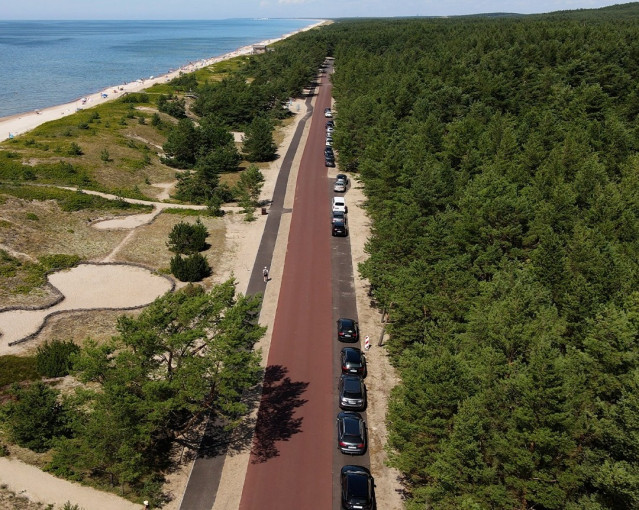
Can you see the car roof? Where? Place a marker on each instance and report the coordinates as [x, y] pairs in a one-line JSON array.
[[352, 425], [352, 383]]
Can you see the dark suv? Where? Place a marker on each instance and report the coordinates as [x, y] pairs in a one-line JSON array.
[[338, 229], [353, 361], [358, 488], [351, 433], [347, 330]]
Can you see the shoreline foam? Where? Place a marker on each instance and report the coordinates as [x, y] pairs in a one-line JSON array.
[[21, 123]]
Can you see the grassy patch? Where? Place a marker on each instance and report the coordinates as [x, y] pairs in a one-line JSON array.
[[185, 212], [29, 275], [74, 200], [17, 369]]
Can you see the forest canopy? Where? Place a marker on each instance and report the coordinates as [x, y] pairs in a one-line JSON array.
[[499, 159]]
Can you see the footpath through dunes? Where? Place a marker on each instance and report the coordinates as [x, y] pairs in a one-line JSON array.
[[291, 459]]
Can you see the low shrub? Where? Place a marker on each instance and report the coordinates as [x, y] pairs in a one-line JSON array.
[[192, 268], [55, 359], [187, 238]]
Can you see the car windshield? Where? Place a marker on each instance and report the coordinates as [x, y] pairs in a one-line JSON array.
[[346, 325], [352, 388]]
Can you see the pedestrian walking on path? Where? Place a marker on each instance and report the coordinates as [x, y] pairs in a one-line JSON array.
[[265, 273]]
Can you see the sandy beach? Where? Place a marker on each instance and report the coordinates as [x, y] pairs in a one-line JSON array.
[[21, 123]]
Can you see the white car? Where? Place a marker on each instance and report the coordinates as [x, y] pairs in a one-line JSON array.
[[328, 113], [339, 204]]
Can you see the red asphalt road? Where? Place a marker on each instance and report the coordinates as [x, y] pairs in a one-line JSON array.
[[291, 461]]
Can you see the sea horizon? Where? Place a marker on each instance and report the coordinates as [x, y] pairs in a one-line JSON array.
[[47, 63]]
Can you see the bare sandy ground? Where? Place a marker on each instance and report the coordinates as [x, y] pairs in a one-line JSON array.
[[243, 240], [85, 287]]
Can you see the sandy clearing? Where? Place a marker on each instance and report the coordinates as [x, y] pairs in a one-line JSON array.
[[85, 287]]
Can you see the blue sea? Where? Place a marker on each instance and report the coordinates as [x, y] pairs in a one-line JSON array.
[[46, 63]]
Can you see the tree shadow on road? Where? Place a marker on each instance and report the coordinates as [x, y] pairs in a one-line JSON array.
[[275, 420]]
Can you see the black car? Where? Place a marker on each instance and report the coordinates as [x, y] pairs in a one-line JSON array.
[[328, 151], [352, 392], [330, 123], [347, 330], [329, 161], [339, 228], [358, 488], [342, 177], [351, 433], [353, 361]]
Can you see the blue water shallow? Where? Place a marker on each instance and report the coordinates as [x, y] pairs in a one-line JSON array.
[[45, 63]]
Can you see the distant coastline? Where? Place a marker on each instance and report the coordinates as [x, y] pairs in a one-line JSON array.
[[46, 63], [17, 124]]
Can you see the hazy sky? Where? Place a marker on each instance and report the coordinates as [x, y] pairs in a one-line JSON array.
[[216, 9]]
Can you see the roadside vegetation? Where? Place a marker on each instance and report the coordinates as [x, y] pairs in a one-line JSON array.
[[145, 393], [113, 412], [499, 158]]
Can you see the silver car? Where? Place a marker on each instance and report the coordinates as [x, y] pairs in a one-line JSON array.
[[352, 392], [339, 186]]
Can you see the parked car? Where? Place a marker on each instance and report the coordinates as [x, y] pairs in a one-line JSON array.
[[339, 204], [328, 112], [358, 488], [347, 330], [342, 177], [329, 143], [329, 161], [353, 361], [329, 138], [339, 216], [330, 123], [352, 392], [329, 130], [338, 228], [351, 433], [328, 151], [339, 186]]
